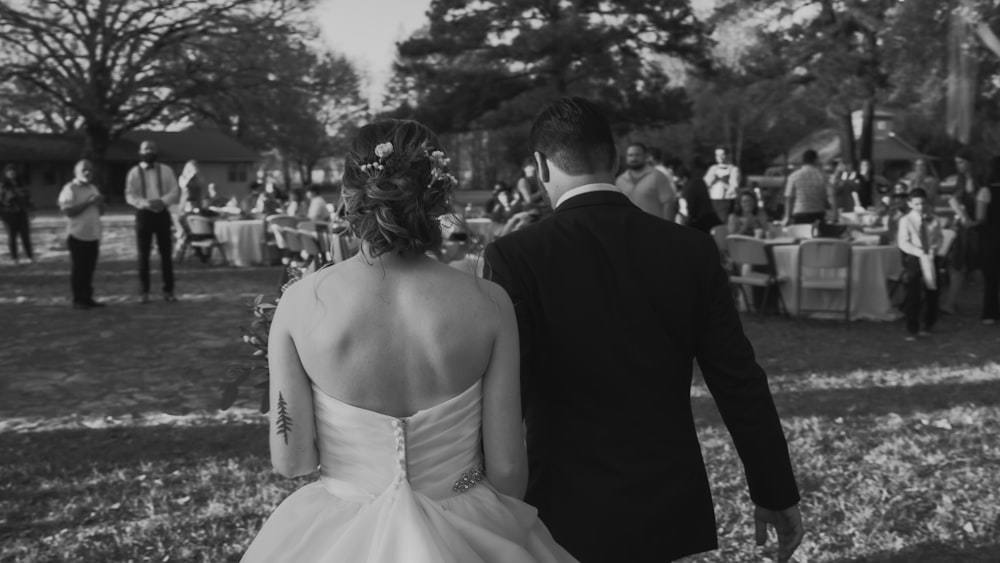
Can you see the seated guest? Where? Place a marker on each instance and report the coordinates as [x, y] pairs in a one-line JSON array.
[[317, 209], [503, 204], [269, 202], [748, 216], [455, 246], [297, 204], [249, 203], [695, 205], [919, 237]]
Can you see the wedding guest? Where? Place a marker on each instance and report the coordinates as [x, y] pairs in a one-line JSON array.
[[897, 209], [151, 187], [919, 177], [192, 189], [695, 207], [83, 204], [535, 205], [297, 204], [964, 255], [269, 202], [808, 194], [919, 238], [503, 203], [455, 246], [317, 204], [845, 187], [249, 202], [748, 216], [988, 210], [15, 212], [215, 204], [645, 186], [723, 180]]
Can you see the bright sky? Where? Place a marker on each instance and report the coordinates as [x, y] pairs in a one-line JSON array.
[[366, 31]]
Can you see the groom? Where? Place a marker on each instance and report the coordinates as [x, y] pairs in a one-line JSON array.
[[613, 307]]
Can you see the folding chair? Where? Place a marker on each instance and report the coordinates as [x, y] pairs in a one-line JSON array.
[[202, 236], [310, 243], [274, 228], [818, 259], [325, 239], [747, 253]]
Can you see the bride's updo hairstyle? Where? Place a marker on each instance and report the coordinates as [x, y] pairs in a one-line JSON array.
[[396, 187]]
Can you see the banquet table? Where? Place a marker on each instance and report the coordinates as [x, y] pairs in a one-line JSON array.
[[242, 240], [871, 267]]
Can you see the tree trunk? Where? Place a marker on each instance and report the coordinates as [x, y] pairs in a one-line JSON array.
[[96, 141], [866, 151], [848, 149]]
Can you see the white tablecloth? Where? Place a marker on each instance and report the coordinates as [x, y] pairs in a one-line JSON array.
[[871, 266], [242, 241]]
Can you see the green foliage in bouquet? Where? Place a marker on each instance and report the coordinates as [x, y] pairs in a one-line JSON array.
[[256, 336]]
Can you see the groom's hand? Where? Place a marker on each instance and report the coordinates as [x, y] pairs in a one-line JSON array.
[[787, 523]]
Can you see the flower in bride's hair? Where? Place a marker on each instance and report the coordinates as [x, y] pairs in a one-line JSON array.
[[438, 159], [383, 150]]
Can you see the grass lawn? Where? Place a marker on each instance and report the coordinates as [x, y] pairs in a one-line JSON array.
[[896, 445]]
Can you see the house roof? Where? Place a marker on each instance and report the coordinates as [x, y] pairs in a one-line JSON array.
[[202, 144], [195, 143], [826, 142]]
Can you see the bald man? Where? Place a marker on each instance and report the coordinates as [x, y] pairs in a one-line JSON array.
[[151, 187]]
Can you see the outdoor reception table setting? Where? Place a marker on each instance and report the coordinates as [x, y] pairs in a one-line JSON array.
[[242, 239], [872, 265]]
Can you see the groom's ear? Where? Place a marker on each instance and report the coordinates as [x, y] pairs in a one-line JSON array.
[[543, 166]]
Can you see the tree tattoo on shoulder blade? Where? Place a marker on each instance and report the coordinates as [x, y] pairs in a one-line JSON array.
[[284, 422]]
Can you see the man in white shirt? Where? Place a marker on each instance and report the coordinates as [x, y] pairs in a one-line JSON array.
[[645, 186], [151, 187], [723, 181], [318, 210], [83, 204]]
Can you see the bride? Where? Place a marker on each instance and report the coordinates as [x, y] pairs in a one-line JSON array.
[[397, 377]]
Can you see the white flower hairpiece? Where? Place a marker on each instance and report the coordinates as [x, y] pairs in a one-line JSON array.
[[439, 169], [382, 152]]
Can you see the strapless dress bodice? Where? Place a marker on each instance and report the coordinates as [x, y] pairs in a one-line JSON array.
[[362, 453]]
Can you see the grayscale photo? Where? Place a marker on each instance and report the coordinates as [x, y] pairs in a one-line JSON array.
[[500, 281]]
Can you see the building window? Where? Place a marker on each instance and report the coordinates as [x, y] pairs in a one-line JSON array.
[[238, 172]]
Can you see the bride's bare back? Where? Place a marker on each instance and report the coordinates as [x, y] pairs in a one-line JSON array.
[[395, 335]]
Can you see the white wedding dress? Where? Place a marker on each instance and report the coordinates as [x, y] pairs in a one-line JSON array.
[[402, 490]]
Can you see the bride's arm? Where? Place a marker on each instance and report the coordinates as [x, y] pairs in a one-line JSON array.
[[292, 429], [503, 432]]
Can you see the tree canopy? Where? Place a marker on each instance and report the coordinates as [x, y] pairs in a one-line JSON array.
[[490, 63], [120, 64]]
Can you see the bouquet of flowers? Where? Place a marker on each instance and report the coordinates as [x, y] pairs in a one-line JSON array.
[[256, 337]]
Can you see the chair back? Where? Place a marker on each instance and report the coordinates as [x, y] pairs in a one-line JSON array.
[[719, 233], [199, 225], [281, 220], [325, 239], [824, 253], [292, 238], [308, 238], [804, 231], [744, 250]]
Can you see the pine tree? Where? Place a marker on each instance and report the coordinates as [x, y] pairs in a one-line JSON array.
[[284, 421]]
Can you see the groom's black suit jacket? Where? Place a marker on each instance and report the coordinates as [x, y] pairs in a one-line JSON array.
[[613, 307]]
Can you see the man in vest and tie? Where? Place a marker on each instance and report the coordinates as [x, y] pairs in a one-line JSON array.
[[151, 188]]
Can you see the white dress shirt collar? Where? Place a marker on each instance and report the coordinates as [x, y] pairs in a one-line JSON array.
[[586, 189]]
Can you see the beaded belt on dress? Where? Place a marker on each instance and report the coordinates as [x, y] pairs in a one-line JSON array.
[[469, 479]]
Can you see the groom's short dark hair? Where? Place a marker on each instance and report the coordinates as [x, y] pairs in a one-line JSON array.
[[574, 134]]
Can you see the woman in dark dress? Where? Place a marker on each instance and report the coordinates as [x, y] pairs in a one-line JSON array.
[[988, 210], [696, 209], [964, 256], [15, 209]]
